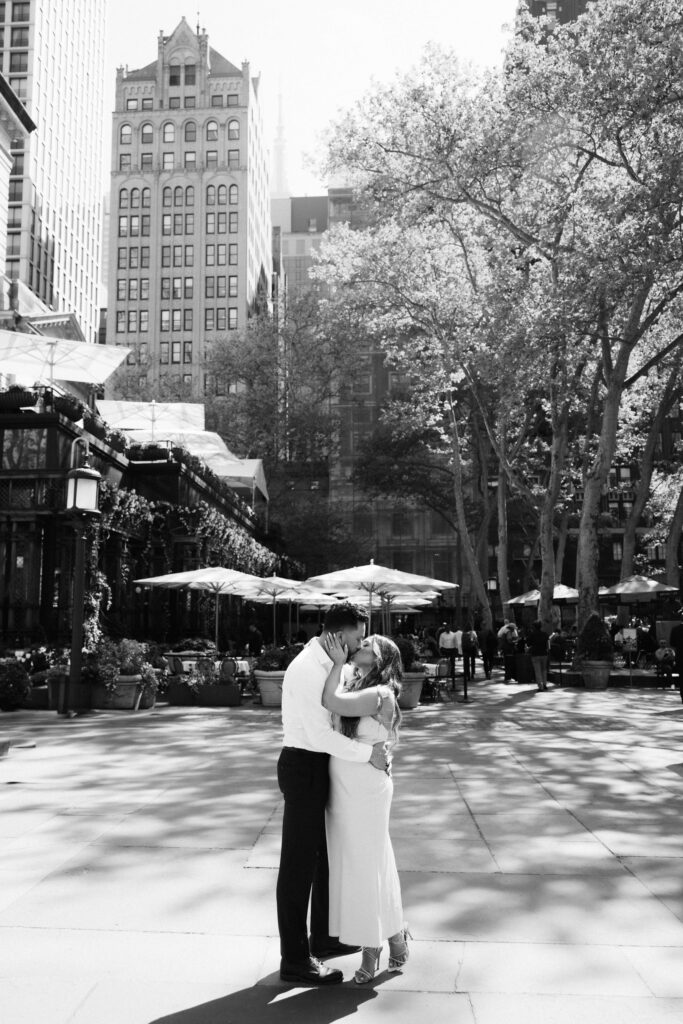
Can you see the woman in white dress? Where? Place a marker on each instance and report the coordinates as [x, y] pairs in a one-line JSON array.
[[365, 893]]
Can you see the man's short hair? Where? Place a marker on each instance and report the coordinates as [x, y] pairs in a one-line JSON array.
[[345, 615]]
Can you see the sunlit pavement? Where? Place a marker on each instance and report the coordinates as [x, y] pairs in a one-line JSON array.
[[538, 835]]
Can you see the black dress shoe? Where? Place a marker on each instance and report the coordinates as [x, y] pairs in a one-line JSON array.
[[334, 949], [310, 972]]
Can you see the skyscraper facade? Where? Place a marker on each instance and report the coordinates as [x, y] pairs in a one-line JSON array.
[[190, 232], [52, 54]]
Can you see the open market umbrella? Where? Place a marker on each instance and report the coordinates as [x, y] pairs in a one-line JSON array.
[[214, 579], [34, 357], [271, 587], [639, 588]]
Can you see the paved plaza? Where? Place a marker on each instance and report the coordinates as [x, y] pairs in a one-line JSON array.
[[538, 838]]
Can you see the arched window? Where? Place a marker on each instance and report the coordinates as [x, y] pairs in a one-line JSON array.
[[146, 134], [233, 129], [190, 132], [168, 196], [222, 195], [134, 198], [178, 195], [189, 195], [146, 197], [123, 199], [169, 132], [126, 135], [234, 195], [211, 195], [211, 131]]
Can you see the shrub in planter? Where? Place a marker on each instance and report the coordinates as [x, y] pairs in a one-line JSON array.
[[15, 397], [594, 654], [15, 685], [69, 406], [269, 672]]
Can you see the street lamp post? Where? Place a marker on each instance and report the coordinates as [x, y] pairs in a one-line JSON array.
[[82, 504]]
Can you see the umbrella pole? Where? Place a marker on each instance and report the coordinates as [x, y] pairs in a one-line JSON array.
[[290, 620], [274, 622], [218, 597]]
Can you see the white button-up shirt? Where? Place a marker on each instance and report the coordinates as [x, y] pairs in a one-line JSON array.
[[306, 723]]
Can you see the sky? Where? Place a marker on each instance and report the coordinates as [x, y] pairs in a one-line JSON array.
[[320, 57]]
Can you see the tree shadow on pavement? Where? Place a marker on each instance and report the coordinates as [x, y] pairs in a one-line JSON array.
[[263, 1004]]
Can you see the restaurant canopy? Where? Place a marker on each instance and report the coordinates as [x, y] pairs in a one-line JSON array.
[[35, 358]]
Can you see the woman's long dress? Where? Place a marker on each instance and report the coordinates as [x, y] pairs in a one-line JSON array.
[[365, 893]]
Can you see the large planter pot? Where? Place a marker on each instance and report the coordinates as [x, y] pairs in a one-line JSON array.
[[596, 674], [270, 687], [68, 406], [180, 695], [124, 697], [411, 688], [219, 695]]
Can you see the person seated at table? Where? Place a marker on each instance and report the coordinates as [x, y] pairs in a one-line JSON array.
[[665, 657]]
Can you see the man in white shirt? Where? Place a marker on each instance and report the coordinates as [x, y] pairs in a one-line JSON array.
[[308, 741], [449, 648]]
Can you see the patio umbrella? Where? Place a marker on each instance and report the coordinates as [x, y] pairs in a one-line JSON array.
[[561, 593], [33, 357], [214, 579], [639, 588], [269, 587], [373, 579]]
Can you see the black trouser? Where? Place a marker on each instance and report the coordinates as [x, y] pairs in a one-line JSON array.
[[487, 662], [303, 777], [510, 666], [468, 660]]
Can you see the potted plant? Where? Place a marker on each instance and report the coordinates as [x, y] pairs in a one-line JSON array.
[[69, 406], [95, 425], [15, 397], [210, 688], [269, 672], [413, 674], [15, 685], [594, 655], [118, 684]]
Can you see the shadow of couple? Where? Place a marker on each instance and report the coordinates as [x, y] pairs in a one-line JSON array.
[[268, 1002]]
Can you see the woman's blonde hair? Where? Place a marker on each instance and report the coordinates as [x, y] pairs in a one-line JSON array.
[[387, 670]]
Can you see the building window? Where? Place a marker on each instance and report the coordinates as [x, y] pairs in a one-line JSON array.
[[189, 102], [189, 223], [221, 223], [222, 195], [189, 288], [146, 198], [209, 287], [211, 159], [144, 256], [209, 319], [166, 255], [189, 255], [20, 11], [233, 159], [175, 351], [125, 135], [121, 322], [133, 261], [177, 255], [144, 321], [143, 344], [165, 320], [233, 100], [167, 196], [135, 225], [232, 318], [233, 223], [146, 162], [212, 131], [220, 286], [178, 223], [174, 103], [190, 74], [187, 352], [131, 104], [19, 37], [232, 286], [216, 101], [220, 255], [144, 289], [121, 289], [174, 75], [123, 227], [220, 318], [233, 129], [168, 132], [617, 550], [232, 254], [190, 160], [176, 320], [189, 195], [135, 198], [178, 195], [190, 132], [234, 195], [144, 225], [163, 353], [123, 199], [18, 62], [211, 195], [132, 321], [166, 224], [124, 162], [210, 257], [211, 223], [147, 103], [133, 289], [146, 134], [167, 162], [187, 319], [177, 291], [166, 288]]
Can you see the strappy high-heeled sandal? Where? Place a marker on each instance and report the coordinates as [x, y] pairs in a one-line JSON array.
[[369, 965], [398, 950]]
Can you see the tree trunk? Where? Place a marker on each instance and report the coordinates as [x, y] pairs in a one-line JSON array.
[[547, 531], [502, 555], [478, 586], [673, 570], [562, 533]]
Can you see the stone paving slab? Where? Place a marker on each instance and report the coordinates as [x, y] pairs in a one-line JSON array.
[[537, 839]]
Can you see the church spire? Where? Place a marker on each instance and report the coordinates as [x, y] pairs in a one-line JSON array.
[[280, 187]]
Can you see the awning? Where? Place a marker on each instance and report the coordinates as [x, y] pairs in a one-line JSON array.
[[156, 417], [35, 358]]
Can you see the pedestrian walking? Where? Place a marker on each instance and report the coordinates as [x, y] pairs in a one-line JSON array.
[[469, 654], [488, 645], [448, 649], [539, 645], [508, 638]]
